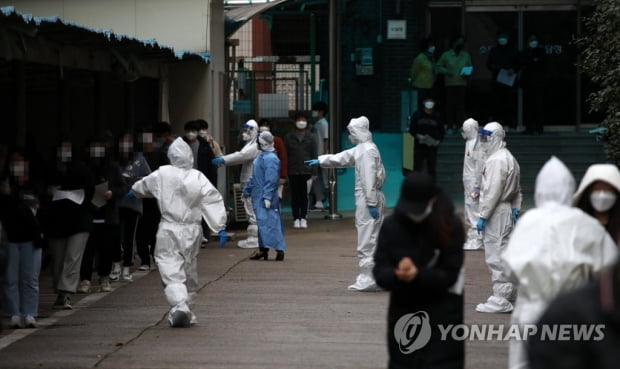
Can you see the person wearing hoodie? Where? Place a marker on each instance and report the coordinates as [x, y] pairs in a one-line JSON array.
[[262, 188], [185, 197], [500, 202], [472, 173], [245, 157], [369, 198], [553, 248]]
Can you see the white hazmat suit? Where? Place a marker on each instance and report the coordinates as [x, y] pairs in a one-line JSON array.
[[246, 157], [184, 196], [369, 178], [473, 161], [553, 248], [499, 195]]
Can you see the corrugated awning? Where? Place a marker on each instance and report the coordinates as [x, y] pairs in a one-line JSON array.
[[237, 17], [62, 32]]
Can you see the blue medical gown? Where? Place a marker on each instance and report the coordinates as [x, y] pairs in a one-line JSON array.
[[264, 185]]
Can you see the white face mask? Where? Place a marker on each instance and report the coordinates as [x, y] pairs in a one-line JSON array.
[[202, 133], [431, 49], [429, 105], [352, 139], [191, 135], [315, 114], [301, 124], [602, 200], [502, 41], [419, 218], [263, 129], [246, 136], [533, 44]]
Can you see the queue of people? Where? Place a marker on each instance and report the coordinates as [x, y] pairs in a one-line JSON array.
[[566, 242]]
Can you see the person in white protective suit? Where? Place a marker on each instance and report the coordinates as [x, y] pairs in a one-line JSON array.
[[553, 248], [500, 201], [472, 173], [369, 198], [185, 197], [245, 157], [262, 188]]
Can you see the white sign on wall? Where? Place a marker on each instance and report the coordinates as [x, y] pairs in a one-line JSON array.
[[396, 29]]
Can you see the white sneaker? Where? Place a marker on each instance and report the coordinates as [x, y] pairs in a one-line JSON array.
[[297, 223], [126, 276], [16, 321], [30, 321], [303, 223], [116, 272], [319, 205], [84, 287], [104, 284], [144, 268]]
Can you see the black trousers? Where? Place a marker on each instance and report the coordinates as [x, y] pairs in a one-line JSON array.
[[299, 195], [534, 108], [128, 221], [455, 106], [99, 249], [425, 157], [147, 230]]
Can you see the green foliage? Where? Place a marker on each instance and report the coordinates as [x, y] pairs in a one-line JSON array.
[[601, 62]]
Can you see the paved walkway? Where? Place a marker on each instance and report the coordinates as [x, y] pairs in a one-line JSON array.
[[251, 314]]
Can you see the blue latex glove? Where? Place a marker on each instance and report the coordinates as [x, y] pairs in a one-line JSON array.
[[218, 161], [374, 213], [223, 237], [481, 224], [515, 215], [131, 195], [312, 162]]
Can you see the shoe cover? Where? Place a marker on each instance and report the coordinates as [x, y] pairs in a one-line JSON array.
[[364, 283], [495, 304], [472, 245], [179, 319], [193, 320], [250, 243]]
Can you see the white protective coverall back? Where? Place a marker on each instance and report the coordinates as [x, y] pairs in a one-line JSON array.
[[499, 194], [369, 178], [184, 196], [246, 157], [473, 162], [553, 248]]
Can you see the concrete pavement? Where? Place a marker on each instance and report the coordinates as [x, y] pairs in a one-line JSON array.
[[251, 314]]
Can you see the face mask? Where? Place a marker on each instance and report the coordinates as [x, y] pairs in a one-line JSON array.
[[502, 41], [431, 49], [459, 43], [429, 105], [353, 140], [464, 135], [18, 169], [263, 129], [146, 138], [191, 135], [420, 217], [246, 136], [602, 200], [97, 152], [64, 155], [533, 44], [301, 124], [315, 114], [202, 133]]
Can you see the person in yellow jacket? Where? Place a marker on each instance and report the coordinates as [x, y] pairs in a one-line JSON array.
[[422, 72]]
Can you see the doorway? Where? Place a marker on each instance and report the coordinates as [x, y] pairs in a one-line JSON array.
[[555, 28]]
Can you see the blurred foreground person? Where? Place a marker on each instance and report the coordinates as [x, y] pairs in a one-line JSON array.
[[593, 309], [185, 196], [553, 248], [419, 259]]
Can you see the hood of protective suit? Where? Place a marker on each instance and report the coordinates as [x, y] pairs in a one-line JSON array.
[[496, 140], [252, 126], [554, 184], [359, 128], [180, 154], [470, 129], [598, 172], [265, 140]]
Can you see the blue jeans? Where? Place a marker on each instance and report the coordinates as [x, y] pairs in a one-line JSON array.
[[22, 279]]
